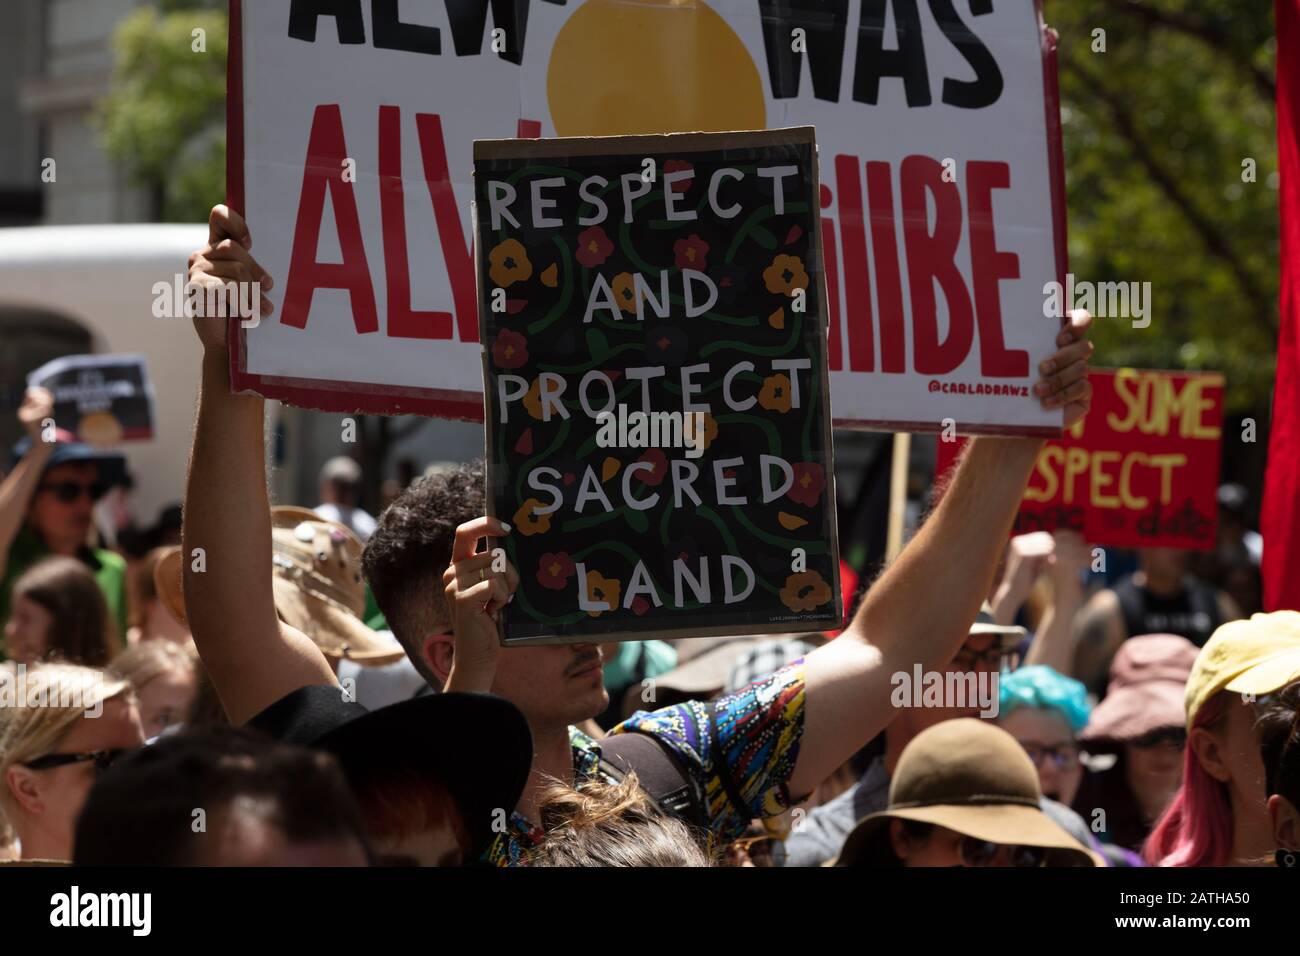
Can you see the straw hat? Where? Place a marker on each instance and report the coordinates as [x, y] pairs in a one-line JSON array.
[[317, 582]]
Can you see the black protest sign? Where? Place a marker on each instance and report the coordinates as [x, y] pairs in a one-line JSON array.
[[658, 416], [101, 399]]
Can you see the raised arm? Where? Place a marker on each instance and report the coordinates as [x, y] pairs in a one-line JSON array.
[[20, 484], [253, 658], [1053, 645], [921, 608]]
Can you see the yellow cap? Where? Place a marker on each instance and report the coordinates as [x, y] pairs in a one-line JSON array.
[[1256, 656]]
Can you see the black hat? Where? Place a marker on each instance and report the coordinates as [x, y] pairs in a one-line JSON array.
[[112, 465], [479, 743]]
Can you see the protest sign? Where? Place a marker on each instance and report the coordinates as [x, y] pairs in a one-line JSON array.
[[1140, 471], [658, 429], [101, 399], [942, 204]]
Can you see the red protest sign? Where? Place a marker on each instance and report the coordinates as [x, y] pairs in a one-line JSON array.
[[1139, 471]]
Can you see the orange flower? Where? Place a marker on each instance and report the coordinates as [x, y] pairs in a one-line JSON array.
[[550, 276], [775, 393], [805, 591], [528, 521], [785, 275], [510, 263], [601, 588], [533, 400], [625, 292]]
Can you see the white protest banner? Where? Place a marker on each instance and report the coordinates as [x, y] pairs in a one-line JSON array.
[[351, 125]]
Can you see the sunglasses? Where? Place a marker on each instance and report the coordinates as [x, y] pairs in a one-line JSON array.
[[975, 852], [1172, 738], [102, 759], [69, 491], [1062, 756]]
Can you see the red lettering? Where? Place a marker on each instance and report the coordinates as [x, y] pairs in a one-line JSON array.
[[857, 280], [988, 267], [326, 152], [831, 257], [889, 288], [931, 257], [459, 258], [403, 322]]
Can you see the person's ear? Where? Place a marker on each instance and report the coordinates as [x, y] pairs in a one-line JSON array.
[[25, 790], [1209, 753], [438, 651], [1286, 822], [898, 840]]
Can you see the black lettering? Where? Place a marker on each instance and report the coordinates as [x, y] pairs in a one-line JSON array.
[[468, 18], [303, 15], [825, 23], [874, 61], [985, 89], [392, 34]]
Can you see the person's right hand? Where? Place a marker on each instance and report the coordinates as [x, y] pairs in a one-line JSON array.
[[1027, 556], [475, 596], [37, 406], [222, 263]]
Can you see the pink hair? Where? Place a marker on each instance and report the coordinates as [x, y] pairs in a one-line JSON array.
[[1196, 827]]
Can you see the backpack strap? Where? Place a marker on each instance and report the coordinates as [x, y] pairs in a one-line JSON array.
[[658, 771]]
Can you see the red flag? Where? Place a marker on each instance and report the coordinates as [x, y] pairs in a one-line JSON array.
[[1280, 517]]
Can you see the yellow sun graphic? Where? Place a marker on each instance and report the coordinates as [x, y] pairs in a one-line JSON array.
[[651, 66]]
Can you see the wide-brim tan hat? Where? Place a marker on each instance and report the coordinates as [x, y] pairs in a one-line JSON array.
[[971, 777], [1010, 635], [317, 586]]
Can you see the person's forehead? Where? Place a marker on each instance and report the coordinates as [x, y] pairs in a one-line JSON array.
[[116, 726], [1042, 722], [72, 470]]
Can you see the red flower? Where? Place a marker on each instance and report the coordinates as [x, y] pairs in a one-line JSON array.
[[809, 481], [554, 570], [676, 166], [594, 247], [691, 252], [640, 605], [658, 462], [510, 350]]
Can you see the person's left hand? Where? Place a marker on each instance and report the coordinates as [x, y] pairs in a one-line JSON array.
[[1064, 373]]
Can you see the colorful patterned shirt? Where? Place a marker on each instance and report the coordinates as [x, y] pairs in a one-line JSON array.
[[759, 729]]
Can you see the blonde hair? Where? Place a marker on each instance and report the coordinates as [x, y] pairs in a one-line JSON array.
[[47, 701], [612, 824], [140, 664]]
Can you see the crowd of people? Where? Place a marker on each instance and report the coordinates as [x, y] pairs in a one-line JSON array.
[[291, 686]]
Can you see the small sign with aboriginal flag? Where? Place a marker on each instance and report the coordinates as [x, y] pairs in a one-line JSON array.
[[656, 394], [101, 399]]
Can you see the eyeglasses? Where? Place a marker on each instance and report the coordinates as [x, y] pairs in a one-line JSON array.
[[975, 852], [103, 759], [1170, 738], [69, 491], [994, 656], [1062, 756]]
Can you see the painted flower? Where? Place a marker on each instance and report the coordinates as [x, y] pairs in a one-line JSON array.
[[676, 166], [640, 605], [805, 591], [658, 463], [691, 253], [594, 247], [554, 570], [510, 350], [533, 400], [665, 345], [809, 482], [785, 275], [551, 276], [509, 263], [775, 393], [624, 292], [601, 588], [528, 521]]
